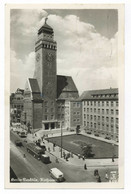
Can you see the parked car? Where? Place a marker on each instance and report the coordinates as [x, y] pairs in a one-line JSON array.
[[88, 132], [22, 134], [96, 134], [18, 143], [45, 159], [109, 138], [56, 174]]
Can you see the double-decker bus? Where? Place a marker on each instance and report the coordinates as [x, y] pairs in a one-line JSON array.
[[35, 150]]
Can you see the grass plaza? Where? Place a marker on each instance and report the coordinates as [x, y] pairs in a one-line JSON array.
[[72, 143]]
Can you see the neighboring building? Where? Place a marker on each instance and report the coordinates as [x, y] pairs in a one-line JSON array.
[[16, 105], [46, 94], [73, 114], [100, 112]]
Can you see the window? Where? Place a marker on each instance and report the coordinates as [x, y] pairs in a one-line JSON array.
[[84, 123], [88, 103], [84, 109], [91, 109], [87, 109], [78, 113], [18, 106], [107, 119], [91, 117], [87, 124], [18, 98], [112, 120], [98, 111], [98, 118], [98, 103], [117, 103], [45, 117], [112, 111], [95, 103], [94, 125], [102, 111], [102, 118], [102, 103], [46, 110], [52, 116], [78, 104], [117, 120], [74, 113], [74, 104], [91, 103], [103, 126], [84, 116], [94, 110], [107, 103], [98, 125], [107, 111], [117, 112], [78, 120], [52, 109], [95, 118], [91, 124], [112, 103], [87, 116], [84, 102]]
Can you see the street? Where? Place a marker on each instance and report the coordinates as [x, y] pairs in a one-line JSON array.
[[30, 169]]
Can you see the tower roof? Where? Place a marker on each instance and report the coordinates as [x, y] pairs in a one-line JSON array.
[[46, 28]]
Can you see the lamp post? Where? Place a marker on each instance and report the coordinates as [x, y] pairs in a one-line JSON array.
[[61, 122]]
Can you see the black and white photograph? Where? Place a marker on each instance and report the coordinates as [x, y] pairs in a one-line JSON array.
[[65, 94]]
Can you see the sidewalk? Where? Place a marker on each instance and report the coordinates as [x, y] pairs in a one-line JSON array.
[[56, 152]]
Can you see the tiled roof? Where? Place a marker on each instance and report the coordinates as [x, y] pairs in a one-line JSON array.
[[35, 89], [65, 84], [100, 94], [34, 85]]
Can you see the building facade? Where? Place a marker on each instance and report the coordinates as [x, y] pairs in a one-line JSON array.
[[46, 94], [100, 112], [16, 105]]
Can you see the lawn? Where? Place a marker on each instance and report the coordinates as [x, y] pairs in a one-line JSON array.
[[73, 143]]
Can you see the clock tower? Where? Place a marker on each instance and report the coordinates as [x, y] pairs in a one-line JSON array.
[[45, 70]]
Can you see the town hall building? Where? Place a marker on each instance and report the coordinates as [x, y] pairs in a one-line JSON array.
[[48, 97]]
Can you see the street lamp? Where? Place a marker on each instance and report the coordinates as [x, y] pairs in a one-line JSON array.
[[61, 123]]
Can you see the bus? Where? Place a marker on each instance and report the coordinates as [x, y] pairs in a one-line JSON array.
[[35, 150]]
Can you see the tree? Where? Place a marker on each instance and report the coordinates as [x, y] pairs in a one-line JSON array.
[[87, 150]]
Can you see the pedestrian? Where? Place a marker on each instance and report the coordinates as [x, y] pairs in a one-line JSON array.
[[85, 167], [57, 161], [83, 157], [64, 155], [48, 149], [99, 179], [106, 176], [96, 172]]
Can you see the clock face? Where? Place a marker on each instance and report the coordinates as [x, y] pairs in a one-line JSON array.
[[38, 57], [49, 57]]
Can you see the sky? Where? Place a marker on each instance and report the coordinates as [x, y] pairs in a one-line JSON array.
[[86, 45]]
